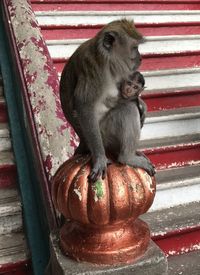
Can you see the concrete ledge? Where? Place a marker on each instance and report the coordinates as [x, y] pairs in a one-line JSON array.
[[153, 262]]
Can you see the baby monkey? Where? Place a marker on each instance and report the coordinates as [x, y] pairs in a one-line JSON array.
[[131, 89]]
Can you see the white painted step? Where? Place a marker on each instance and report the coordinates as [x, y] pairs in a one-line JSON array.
[[6, 158], [153, 45], [178, 122], [174, 218], [76, 18], [177, 186], [13, 248], [10, 211], [188, 263], [5, 142], [2, 100], [1, 87], [171, 79]]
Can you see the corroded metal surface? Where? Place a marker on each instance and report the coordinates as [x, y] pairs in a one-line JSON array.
[[101, 218], [120, 243], [56, 137]]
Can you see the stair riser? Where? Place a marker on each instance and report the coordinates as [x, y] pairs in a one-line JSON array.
[[8, 175], [172, 101], [114, 7], [172, 79], [181, 243], [170, 127], [5, 144], [3, 113], [75, 18], [175, 196], [19, 268], [154, 45], [165, 159], [10, 224], [54, 32], [155, 62], [1, 90]]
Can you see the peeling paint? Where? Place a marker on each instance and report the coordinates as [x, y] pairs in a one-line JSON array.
[[56, 137], [78, 193]]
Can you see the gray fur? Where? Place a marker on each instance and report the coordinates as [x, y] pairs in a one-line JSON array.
[[88, 88]]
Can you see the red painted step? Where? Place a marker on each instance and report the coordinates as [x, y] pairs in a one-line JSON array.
[[3, 112], [177, 154], [155, 62], [179, 242], [67, 5], [175, 99], [78, 32], [176, 230], [8, 173], [19, 268]]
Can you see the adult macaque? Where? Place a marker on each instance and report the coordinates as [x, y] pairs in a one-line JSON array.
[[131, 90], [89, 93]]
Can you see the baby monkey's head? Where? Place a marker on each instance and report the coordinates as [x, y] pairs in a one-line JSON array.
[[133, 87]]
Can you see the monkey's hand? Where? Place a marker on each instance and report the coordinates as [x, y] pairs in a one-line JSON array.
[[99, 168]]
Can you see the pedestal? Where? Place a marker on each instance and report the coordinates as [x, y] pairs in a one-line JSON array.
[[152, 262]]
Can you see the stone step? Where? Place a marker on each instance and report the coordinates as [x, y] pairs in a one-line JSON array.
[[113, 5], [81, 32], [10, 211], [99, 17], [154, 45], [162, 100], [13, 253], [172, 152], [181, 185], [188, 263], [154, 62], [175, 229], [5, 142], [1, 87], [3, 111], [8, 171], [171, 123]]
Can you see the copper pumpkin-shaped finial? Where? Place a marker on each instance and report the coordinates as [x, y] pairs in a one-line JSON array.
[[101, 224]]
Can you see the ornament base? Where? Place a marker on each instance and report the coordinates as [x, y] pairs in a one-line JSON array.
[[119, 243]]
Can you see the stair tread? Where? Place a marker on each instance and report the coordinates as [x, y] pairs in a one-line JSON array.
[[2, 99], [188, 263], [4, 130], [174, 219], [170, 142], [13, 248], [10, 208], [179, 113], [6, 158], [8, 195], [181, 176]]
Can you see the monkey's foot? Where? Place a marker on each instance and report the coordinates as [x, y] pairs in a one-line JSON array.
[[139, 153], [138, 162], [99, 169]]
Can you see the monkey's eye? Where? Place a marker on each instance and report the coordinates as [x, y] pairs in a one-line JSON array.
[[135, 87], [134, 47]]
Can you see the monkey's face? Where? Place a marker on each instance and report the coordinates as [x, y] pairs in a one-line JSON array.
[[131, 89], [123, 51], [126, 51]]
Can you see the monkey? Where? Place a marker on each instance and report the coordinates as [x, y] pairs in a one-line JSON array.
[[131, 89], [89, 82]]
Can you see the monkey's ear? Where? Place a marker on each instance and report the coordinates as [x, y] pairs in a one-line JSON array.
[[108, 40]]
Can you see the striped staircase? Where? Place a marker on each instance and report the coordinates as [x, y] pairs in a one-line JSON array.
[[171, 135], [14, 254]]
